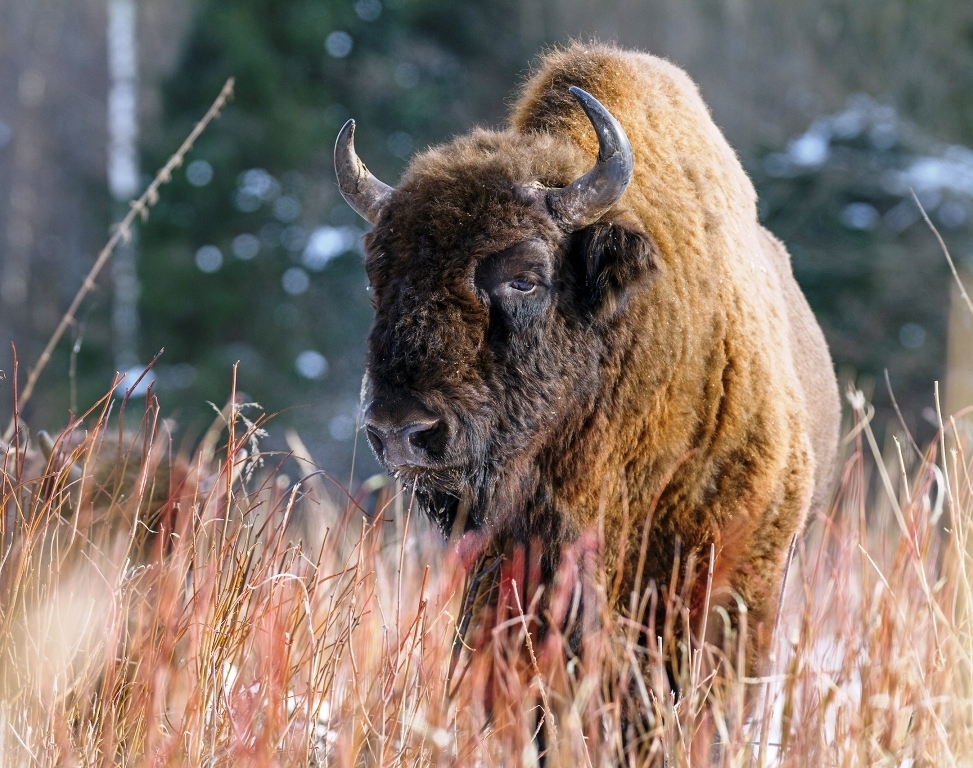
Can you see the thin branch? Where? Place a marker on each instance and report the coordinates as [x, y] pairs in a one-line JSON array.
[[942, 244], [898, 412], [122, 233]]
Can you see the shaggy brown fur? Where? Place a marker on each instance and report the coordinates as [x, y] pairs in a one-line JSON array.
[[666, 352]]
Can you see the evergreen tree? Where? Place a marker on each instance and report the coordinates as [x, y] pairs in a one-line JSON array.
[[841, 196], [252, 255]]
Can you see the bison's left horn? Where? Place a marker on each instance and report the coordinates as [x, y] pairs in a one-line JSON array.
[[362, 191], [588, 198]]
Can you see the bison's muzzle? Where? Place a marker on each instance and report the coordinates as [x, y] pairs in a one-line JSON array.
[[406, 435]]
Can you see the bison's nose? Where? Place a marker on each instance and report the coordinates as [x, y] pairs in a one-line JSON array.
[[404, 434]]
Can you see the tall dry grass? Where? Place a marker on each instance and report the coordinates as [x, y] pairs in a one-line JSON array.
[[203, 610], [159, 607]]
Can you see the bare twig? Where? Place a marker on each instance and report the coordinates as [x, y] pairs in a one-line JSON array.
[[548, 712], [949, 259], [765, 716], [898, 412], [122, 233]]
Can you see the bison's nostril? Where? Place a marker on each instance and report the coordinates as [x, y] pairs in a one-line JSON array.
[[375, 439], [421, 436], [405, 437]]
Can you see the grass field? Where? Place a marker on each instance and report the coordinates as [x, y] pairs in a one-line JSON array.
[[230, 607], [225, 606]]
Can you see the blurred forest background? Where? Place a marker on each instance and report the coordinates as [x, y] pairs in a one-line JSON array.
[[838, 108]]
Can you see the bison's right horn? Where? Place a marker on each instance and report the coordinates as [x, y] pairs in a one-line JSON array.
[[588, 198], [362, 191]]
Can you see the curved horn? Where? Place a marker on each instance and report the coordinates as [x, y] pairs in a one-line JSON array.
[[588, 198], [362, 191]]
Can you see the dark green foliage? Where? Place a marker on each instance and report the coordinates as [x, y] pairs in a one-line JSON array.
[[402, 80], [869, 266]]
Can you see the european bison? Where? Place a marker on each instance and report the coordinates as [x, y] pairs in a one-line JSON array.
[[556, 340]]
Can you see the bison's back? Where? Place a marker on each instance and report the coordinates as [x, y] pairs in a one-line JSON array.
[[722, 387]]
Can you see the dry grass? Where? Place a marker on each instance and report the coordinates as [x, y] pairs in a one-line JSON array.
[[260, 623], [201, 609]]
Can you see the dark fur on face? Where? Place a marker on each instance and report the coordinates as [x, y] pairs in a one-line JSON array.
[[490, 315]]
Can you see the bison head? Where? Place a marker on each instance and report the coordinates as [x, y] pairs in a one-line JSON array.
[[495, 265]]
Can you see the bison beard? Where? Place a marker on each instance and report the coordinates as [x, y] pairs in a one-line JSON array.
[[581, 326]]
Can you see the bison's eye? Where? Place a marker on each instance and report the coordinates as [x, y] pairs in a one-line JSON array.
[[517, 278], [514, 289]]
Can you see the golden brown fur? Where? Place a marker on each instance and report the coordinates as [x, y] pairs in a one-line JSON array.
[[671, 376], [732, 365]]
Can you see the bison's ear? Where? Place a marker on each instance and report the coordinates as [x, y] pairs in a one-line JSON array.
[[615, 260]]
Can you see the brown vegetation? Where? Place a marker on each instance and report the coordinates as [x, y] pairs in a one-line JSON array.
[[247, 640], [247, 645]]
